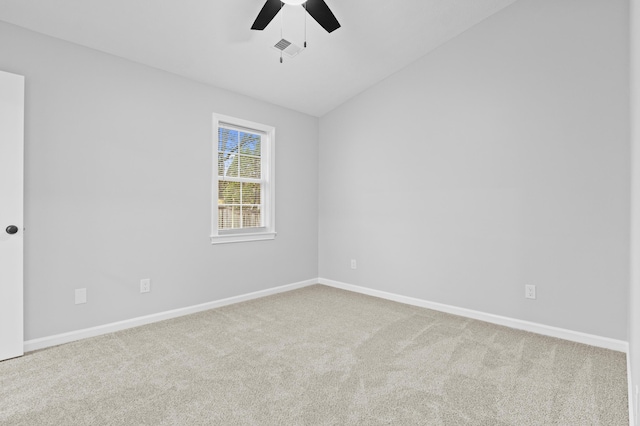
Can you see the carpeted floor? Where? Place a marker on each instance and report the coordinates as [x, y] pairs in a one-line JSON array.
[[316, 356]]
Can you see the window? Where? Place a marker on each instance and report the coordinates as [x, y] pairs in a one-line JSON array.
[[243, 187]]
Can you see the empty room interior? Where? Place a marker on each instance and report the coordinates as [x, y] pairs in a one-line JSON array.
[[320, 212]]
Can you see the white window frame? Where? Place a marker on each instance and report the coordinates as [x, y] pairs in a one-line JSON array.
[[267, 155]]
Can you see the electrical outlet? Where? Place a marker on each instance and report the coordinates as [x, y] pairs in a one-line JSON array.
[[145, 285], [81, 296], [354, 265], [530, 291]]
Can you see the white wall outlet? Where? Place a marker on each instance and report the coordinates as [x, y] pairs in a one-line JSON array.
[[354, 265], [145, 285], [530, 291], [81, 295]]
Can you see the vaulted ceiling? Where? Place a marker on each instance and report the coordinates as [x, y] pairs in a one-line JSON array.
[[211, 41]]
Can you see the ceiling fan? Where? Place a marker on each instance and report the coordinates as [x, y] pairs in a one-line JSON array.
[[318, 10]]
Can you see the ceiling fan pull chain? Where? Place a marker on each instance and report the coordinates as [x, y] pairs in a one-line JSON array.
[[281, 26], [305, 25]]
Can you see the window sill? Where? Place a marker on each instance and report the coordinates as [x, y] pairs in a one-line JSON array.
[[239, 238]]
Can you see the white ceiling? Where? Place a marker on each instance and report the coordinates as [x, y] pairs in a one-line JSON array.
[[210, 40]]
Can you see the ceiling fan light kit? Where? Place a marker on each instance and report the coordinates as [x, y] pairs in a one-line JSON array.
[[318, 10]]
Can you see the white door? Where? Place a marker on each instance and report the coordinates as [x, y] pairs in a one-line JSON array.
[[11, 205]]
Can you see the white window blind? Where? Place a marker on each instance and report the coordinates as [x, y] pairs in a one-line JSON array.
[[240, 178]]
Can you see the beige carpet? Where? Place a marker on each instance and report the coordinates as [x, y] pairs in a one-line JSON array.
[[316, 356]]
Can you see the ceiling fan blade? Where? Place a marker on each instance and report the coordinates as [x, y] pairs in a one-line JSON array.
[[319, 10], [268, 12]]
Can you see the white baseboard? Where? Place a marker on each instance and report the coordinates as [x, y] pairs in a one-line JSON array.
[[58, 339], [631, 397], [574, 336], [561, 333]]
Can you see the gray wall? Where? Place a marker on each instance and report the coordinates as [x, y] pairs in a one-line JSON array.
[[634, 299], [500, 159], [117, 188]]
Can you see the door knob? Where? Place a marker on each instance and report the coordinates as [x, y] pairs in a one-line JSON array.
[[11, 229]]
